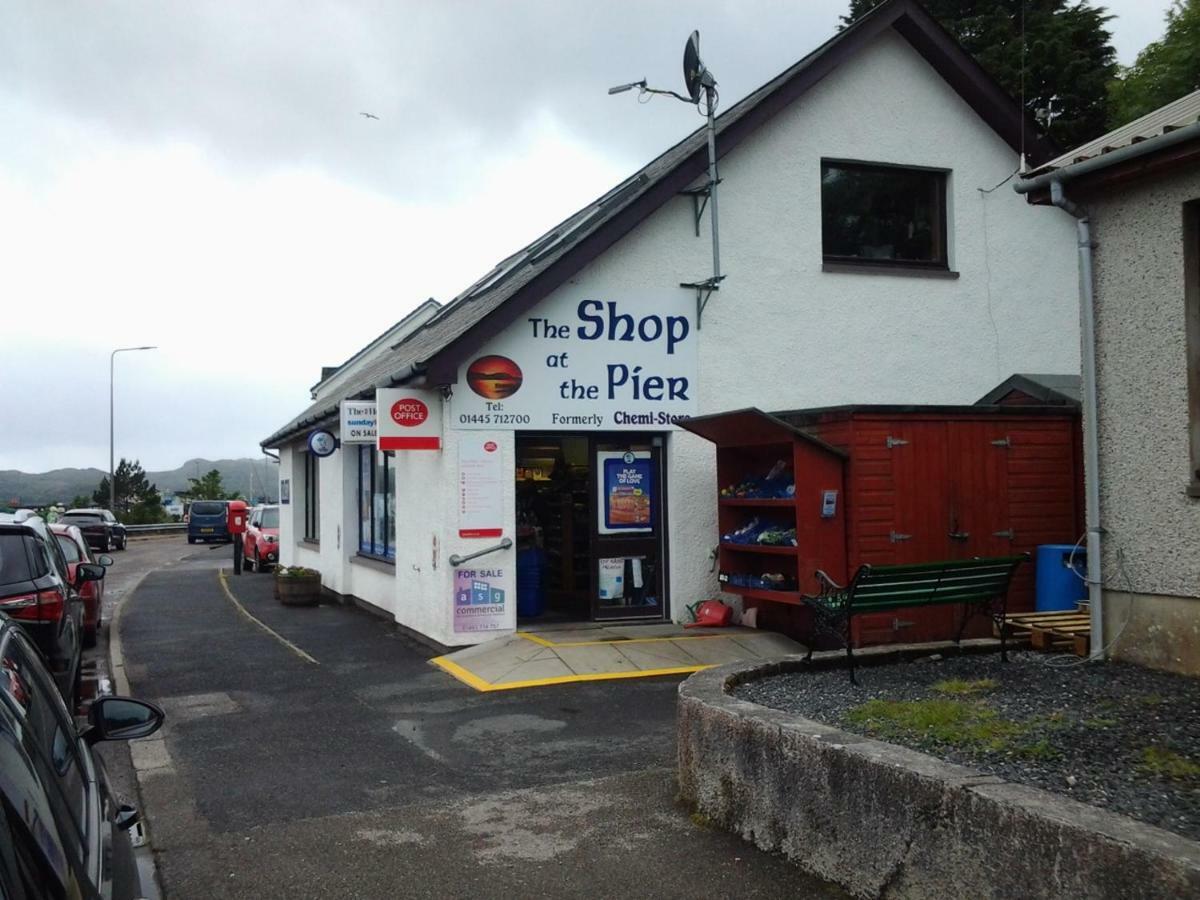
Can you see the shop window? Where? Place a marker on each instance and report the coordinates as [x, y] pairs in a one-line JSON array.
[[312, 498], [874, 215], [376, 504], [1191, 293]]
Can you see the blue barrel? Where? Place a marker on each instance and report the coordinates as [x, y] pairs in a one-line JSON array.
[[1057, 586], [531, 596]]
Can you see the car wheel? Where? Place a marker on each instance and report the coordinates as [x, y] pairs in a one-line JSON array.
[[124, 541], [258, 567]]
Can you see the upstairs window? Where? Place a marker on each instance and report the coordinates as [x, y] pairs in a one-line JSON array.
[[875, 215]]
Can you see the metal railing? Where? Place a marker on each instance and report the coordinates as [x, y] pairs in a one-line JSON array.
[[161, 528]]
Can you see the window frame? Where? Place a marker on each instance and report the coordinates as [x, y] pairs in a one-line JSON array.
[[312, 498], [834, 262], [370, 462], [1191, 297]]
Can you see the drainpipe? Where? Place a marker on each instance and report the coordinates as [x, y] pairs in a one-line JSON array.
[[1091, 431]]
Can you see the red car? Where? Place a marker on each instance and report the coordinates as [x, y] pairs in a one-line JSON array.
[[76, 550], [260, 543]]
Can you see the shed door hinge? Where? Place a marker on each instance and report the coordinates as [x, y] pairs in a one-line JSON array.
[[896, 537], [1007, 533], [1005, 441], [895, 442]]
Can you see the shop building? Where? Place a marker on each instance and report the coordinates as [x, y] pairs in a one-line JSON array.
[[873, 254]]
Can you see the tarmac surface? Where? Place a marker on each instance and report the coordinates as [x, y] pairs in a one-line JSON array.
[[325, 757]]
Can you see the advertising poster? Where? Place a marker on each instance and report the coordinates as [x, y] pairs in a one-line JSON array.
[[585, 363], [480, 489], [626, 492], [408, 419], [479, 600], [285, 491], [358, 422]]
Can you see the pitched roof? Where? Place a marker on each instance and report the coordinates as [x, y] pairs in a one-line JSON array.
[[434, 351], [1054, 390]]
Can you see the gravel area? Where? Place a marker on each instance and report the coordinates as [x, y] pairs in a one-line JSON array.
[[1110, 734]]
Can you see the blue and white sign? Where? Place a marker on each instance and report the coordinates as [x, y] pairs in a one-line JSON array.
[[626, 485], [358, 420], [586, 363], [322, 443]]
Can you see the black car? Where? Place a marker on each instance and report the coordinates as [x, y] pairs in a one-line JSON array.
[[100, 528], [63, 833], [36, 591]]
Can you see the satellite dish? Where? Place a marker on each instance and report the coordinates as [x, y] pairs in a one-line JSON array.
[[693, 69]]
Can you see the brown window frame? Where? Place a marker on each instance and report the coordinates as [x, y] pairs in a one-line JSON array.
[[1191, 296]]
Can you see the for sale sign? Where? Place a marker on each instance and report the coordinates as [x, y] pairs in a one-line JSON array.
[[408, 419]]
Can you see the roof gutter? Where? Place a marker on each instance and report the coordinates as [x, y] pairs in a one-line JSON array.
[[1112, 158], [1091, 431]]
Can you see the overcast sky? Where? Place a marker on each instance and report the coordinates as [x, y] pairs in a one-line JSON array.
[[197, 176]]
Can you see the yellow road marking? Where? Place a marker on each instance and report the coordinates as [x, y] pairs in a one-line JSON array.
[[267, 628], [469, 678], [620, 641]]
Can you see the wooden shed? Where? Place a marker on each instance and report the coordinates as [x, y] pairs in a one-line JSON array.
[[913, 484]]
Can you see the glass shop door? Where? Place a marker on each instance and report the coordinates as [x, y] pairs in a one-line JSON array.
[[628, 558]]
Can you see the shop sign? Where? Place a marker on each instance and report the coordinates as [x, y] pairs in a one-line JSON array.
[[479, 601], [322, 443], [358, 422], [580, 363], [480, 489], [626, 492], [408, 419]]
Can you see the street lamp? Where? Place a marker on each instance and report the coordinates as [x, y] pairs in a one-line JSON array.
[[112, 473]]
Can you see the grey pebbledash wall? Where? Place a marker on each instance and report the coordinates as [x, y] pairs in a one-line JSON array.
[[1143, 399], [886, 821]]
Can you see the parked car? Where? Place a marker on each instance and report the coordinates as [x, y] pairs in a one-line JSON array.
[[76, 550], [37, 591], [65, 833], [260, 543], [207, 521], [99, 526]]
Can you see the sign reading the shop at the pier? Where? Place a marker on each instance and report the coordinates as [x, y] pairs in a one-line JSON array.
[[358, 422], [479, 600], [408, 419], [583, 363]]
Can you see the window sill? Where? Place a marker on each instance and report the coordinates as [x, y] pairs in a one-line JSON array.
[[374, 562], [1193, 489], [849, 268], [308, 542]]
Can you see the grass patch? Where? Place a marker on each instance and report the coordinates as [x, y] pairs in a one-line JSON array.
[[960, 687], [1040, 749], [1099, 722], [1151, 700], [970, 726], [1169, 764]]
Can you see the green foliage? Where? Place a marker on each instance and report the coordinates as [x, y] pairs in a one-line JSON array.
[[296, 572], [961, 687], [80, 501], [1067, 47], [956, 723], [137, 499], [1164, 71], [1169, 764], [210, 487]]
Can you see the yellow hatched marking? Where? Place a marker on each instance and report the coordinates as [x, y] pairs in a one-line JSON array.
[[473, 680]]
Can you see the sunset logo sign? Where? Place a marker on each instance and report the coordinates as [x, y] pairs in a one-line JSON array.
[[494, 377]]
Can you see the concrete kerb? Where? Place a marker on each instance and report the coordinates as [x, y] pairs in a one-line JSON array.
[[887, 821]]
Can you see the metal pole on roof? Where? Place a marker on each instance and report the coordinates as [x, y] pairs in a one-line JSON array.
[[712, 180], [112, 473]]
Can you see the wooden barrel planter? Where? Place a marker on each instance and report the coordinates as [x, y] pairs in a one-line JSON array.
[[298, 587]]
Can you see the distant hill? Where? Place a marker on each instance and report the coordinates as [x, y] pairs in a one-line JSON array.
[[253, 477]]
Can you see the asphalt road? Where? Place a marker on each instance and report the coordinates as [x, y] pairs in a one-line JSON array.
[[368, 773]]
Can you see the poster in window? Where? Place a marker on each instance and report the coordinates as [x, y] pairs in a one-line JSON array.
[[285, 491], [626, 492], [481, 481], [479, 601]]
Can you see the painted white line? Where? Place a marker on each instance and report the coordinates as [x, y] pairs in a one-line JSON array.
[[267, 628]]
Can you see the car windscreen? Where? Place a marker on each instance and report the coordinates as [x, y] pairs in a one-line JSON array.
[[209, 508], [70, 549], [81, 519], [270, 518], [14, 560]]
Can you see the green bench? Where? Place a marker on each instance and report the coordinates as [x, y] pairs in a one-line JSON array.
[[979, 584]]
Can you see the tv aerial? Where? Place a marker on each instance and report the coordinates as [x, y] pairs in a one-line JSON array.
[[700, 85]]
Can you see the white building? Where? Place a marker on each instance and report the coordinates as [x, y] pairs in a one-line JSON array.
[[870, 256]]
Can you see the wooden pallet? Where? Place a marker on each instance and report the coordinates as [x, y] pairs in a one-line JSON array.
[[1063, 630]]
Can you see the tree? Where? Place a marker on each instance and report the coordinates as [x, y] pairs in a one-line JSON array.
[[137, 499], [1164, 71], [82, 500], [1068, 55], [207, 488]]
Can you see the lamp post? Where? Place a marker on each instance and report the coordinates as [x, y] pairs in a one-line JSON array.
[[112, 472]]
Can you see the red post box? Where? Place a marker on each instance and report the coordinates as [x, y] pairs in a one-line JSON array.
[[236, 513]]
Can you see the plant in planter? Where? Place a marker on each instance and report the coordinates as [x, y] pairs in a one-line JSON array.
[[297, 586]]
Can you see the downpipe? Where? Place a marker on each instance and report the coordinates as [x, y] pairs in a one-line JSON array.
[[1091, 430]]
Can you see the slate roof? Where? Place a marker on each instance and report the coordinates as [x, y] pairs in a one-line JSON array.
[[535, 270], [1056, 390]]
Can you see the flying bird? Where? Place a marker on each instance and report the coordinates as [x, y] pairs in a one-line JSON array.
[[368, 115]]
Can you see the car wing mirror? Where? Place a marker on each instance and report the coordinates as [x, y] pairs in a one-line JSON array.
[[104, 560], [122, 719], [88, 572]]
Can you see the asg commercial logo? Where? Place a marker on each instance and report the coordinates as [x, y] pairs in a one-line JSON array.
[[409, 412]]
